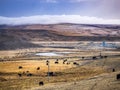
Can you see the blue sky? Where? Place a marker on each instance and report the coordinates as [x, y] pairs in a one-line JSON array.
[[13, 10], [16, 8]]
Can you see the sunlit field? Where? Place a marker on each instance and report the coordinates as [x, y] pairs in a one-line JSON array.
[[23, 69]]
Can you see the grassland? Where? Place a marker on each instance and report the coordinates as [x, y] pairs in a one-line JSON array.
[[67, 72], [63, 73]]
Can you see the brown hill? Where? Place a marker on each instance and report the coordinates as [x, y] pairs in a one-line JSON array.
[[23, 35], [68, 29]]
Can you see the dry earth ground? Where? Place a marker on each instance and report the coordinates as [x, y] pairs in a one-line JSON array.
[[92, 75], [100, 82]]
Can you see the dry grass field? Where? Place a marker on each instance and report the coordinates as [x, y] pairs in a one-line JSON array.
[[63, 73], [22, 70]]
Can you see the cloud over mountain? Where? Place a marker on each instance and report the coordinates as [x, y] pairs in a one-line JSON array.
[[52, 19]]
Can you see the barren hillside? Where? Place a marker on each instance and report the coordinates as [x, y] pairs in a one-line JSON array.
[[80, 29], [22, 35]]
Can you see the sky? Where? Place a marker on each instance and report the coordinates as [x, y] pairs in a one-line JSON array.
[[59, 11]]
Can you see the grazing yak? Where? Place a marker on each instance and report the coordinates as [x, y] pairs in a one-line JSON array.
[[41, 83], [118, 76], [20, 67]]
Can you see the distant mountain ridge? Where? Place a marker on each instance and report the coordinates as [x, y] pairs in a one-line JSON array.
[[69, 29], [21, 36]]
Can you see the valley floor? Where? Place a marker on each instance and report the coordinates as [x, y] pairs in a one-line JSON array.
[[80, 68]]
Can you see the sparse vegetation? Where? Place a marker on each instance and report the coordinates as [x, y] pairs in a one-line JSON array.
[[24, 70]]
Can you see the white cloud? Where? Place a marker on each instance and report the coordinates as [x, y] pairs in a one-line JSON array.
[[52, 19]]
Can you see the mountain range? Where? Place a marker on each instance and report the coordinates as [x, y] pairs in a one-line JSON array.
[[18, 36]]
